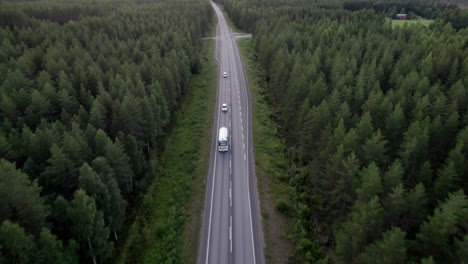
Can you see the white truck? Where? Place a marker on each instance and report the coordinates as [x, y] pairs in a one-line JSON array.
[[223, 141]]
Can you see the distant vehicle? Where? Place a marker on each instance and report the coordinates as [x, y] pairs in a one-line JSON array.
[[225, 74], [223, 142], [224, 108]]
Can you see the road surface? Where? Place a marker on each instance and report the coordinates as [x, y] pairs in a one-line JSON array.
[[231, 230]]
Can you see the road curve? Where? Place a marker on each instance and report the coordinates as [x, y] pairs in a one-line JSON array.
[[232, 229]]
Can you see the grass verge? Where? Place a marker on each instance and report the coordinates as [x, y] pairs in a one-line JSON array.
[[424, 22], [159, 232], [271, 165]]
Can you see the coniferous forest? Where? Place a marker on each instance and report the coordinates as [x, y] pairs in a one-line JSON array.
[[374, 120], [373, 115], [87, 92]]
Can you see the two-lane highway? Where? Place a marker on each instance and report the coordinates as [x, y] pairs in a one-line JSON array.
[[231, 231]]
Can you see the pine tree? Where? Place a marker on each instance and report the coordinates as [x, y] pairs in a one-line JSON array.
[[391, 249], [129, 118], [393, 176], [424, 175], [446, 180], [21, 201], [416, 203], [394, 128], [395, 206], [67, 102], [40, 107], [51, 250], [60, 176], [120, 163], [8, 108], [97, 115], [364, 227], [437, 232], [16, 80], [456, 155], [101, 142], [317, 93], [427, 67], [75, 146], [343, 194], [374, 149], [364, 128], [116, 215], [414, 146], [93, 186], [371, 183], [16, 245]]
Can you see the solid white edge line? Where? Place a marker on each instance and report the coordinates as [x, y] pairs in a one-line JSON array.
[[230, 232]]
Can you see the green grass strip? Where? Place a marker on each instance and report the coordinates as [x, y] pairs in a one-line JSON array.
[[424, 22]]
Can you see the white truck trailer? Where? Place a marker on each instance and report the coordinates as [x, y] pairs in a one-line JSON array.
[[223, 141]]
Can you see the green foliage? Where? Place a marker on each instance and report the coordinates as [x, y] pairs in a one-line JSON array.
[[21, 202], [390, 249], [88, 227], [448, 219], [371, 183], [283, 207], [151, 240], [372, 114], [87, 91], [120, 163], [364, 227], [51, 250], [16, 245]]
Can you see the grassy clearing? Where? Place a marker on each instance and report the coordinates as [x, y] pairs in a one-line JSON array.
[[271, 164], [158, 233], [424, 22]]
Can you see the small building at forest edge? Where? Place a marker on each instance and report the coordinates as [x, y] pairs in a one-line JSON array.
[[402, 16]]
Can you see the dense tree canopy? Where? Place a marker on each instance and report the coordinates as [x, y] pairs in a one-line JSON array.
[[86, 92], [374, 116]]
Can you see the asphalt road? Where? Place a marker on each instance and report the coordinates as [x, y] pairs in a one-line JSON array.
[[232, 230]]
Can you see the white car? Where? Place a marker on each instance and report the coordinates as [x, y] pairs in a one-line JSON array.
[[225, 74], [224, 108]]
